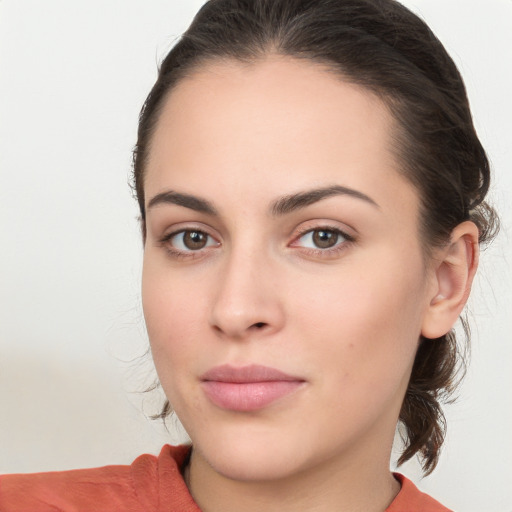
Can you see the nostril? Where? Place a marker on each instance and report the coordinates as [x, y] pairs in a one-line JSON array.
[[259, 325]]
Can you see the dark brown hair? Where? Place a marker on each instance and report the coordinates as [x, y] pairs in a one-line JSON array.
[[382, 46]]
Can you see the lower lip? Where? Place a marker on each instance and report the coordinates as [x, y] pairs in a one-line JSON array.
[[248, 396]]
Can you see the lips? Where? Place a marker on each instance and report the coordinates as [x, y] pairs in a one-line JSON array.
[[247, 388]]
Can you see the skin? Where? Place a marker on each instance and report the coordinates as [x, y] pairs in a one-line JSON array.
[[347, 319]]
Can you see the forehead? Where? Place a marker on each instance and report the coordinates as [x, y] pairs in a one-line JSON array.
[[298, 97], [285, 122]]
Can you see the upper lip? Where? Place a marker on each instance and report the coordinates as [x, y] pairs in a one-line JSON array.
[[250, 373]]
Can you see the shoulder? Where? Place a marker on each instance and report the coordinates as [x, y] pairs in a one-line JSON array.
[[411, 498], [140, 486]]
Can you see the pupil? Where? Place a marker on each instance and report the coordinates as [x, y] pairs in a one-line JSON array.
[[325, 239], [194, 240]]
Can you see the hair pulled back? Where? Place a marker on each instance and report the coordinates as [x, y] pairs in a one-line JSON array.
[[382, 46]]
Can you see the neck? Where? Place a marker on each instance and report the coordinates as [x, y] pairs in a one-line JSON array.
[[368, 485]]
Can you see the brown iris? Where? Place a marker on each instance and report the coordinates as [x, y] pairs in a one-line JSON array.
[[194, 240], [324, 239]]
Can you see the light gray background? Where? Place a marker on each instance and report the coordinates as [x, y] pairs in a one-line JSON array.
[[73, 75]]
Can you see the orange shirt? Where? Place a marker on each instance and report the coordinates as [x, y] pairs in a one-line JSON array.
[[150, 484]]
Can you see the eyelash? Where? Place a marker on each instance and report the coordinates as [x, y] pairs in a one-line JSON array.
[[179, 254], [318, 252], [331, 251]]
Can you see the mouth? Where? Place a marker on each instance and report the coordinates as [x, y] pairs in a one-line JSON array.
[[247, 388]]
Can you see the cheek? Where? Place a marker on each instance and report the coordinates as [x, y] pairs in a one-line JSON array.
[[367, 321], [361, 346], [172, 312]]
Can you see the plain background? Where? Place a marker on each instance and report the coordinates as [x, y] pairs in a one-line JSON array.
[[73, 348]]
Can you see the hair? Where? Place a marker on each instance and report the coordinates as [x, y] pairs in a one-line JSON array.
[[383, 47]]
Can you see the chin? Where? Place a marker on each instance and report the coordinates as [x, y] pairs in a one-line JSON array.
[[251, 456], [243, 463]]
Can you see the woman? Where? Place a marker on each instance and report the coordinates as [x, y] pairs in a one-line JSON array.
[[312, 194]]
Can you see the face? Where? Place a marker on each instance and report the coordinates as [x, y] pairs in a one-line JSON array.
[[284, 286]]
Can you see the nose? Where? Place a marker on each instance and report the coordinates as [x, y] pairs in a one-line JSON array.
[[248, 299]]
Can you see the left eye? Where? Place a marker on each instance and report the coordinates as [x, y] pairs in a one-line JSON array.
[[191, 240], [322, 238]]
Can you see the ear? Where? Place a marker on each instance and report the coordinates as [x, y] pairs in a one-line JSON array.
[[455, 268]]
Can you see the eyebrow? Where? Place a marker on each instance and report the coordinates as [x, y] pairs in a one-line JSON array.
[[188, 201], [290, 203], [281, 206]]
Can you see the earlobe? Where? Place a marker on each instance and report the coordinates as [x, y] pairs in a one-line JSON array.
[[453, 276]]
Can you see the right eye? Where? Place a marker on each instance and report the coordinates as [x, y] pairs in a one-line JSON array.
[[190, 240]]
